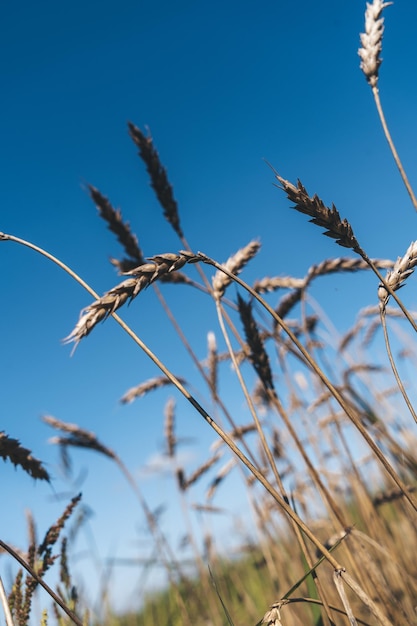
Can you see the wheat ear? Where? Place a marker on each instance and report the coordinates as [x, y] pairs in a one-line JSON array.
[[395, 278], [12, 450], [234, 264], [338, 229], [41, 582], [403, 268], [371, 40], [369, 53], [158, 176], [126, 291], [144, 388], [115, 223], [333, 390], [224, 436]]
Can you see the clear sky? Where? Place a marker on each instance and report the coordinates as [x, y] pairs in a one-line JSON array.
[[223, 86]]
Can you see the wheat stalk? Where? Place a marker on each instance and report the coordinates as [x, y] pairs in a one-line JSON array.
[[338, 229], [334, 391], [81, 438], [5, 605], [41, 582], [395, 278], [369, 53]]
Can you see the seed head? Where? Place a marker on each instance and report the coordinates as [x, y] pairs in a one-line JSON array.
[[371, 41]]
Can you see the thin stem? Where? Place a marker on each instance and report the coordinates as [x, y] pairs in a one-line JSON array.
[[249, 401], [397, 160], [198, 365], [394, 368], [335, 393], [390, 290], [41, 582], [4, 602], [219, 431]]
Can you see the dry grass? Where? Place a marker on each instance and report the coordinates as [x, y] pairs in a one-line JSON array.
[[326, 462]]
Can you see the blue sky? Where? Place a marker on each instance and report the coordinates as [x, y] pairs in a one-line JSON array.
[[223, 87]]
